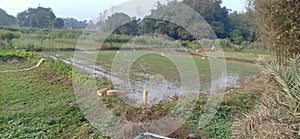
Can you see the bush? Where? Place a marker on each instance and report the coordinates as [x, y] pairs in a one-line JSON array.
[[19, 54], [8, 35], [28, 55], [225, 43], [278, 114]]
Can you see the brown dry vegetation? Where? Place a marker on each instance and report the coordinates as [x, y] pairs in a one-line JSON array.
[[277, 116], [267, 120]]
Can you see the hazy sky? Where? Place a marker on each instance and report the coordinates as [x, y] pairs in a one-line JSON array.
[[83, 9]]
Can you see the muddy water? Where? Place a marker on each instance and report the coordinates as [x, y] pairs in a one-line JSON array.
[[162, 90], [159, 89]]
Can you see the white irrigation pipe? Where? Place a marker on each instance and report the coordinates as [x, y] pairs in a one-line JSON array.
[[37, 65]]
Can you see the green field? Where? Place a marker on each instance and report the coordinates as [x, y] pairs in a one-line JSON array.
[[170, 68], [157, 64], [40, 103]]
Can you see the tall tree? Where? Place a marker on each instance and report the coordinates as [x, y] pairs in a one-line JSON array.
[[6, 19], [147, 25], [23, 19], [245, 23], [116, 20], [37, 18], [213, 13], [59, 23], [130, 28], [279, 20], [172, 20]]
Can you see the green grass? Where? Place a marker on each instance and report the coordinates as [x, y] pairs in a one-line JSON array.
[[156, 64], [17, 65], [232, 106], [35, 44], [39, 104], [265, 52], [235, 55], [15, 58], [252, 57]]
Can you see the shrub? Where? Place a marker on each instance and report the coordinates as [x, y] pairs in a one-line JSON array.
[[278, 114], [28, 55], [8, 35], [19, 54], [225, 43]]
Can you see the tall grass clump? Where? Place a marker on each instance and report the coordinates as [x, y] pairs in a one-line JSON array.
[[278, 115]]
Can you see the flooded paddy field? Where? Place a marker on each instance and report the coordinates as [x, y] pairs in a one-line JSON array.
[[156, 73]]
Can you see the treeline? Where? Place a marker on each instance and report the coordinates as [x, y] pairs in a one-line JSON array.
[[237, 27], [36, 39], [39, 33], [40, 18]]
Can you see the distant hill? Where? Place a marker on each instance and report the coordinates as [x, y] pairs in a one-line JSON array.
[[6, 19]]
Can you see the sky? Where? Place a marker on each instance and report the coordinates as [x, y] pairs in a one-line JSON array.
[[87, 9]]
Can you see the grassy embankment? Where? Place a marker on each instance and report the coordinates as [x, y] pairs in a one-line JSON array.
[[38, 103]]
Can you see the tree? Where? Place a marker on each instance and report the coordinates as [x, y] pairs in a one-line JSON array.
[[146, 26], [130, 28], [41, 17], [245, 23], [59, 23], [279, 20], [38, 18], [214, 14], [116, 20], [171, 20], [236, 37], [6, 19], [23, 19]]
